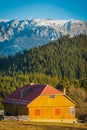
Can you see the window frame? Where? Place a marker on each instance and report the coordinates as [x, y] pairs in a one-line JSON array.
[[72, 110], [57, 111], [37, 112], [52, 96]]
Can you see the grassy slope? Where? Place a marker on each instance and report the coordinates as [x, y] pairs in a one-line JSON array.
[[17, 125]]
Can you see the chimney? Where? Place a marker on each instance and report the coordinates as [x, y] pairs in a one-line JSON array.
[[31, 83], [64, 91]]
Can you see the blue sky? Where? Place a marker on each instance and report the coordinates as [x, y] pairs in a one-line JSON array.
[[51, 9]]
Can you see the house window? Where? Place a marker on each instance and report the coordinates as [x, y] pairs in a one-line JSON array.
[[57, 111], [72, 110], [37, 112], [52, 96]]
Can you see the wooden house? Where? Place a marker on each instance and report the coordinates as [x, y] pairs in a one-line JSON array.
[[41, 103]]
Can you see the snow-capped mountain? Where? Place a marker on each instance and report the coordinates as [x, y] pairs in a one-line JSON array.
[[16, 36]]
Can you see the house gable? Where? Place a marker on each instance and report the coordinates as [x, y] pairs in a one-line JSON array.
[[51, 101]]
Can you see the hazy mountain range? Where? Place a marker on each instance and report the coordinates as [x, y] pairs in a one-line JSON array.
[[16, 36]]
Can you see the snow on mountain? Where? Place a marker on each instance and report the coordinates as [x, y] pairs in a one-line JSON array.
[[3, 20], [16, 36]]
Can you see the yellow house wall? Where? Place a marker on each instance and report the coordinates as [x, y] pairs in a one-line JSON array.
[[49, 113], [47, 107]]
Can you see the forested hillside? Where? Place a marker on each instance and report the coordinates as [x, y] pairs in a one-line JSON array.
[[64, 57], [62, 63]]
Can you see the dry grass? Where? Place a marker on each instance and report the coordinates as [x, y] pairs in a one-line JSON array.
[[21, 125]]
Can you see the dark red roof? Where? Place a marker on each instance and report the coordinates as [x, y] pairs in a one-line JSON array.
[[26, 94]]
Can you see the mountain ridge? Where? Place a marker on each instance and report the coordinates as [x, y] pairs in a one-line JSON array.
[[19, 35]]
